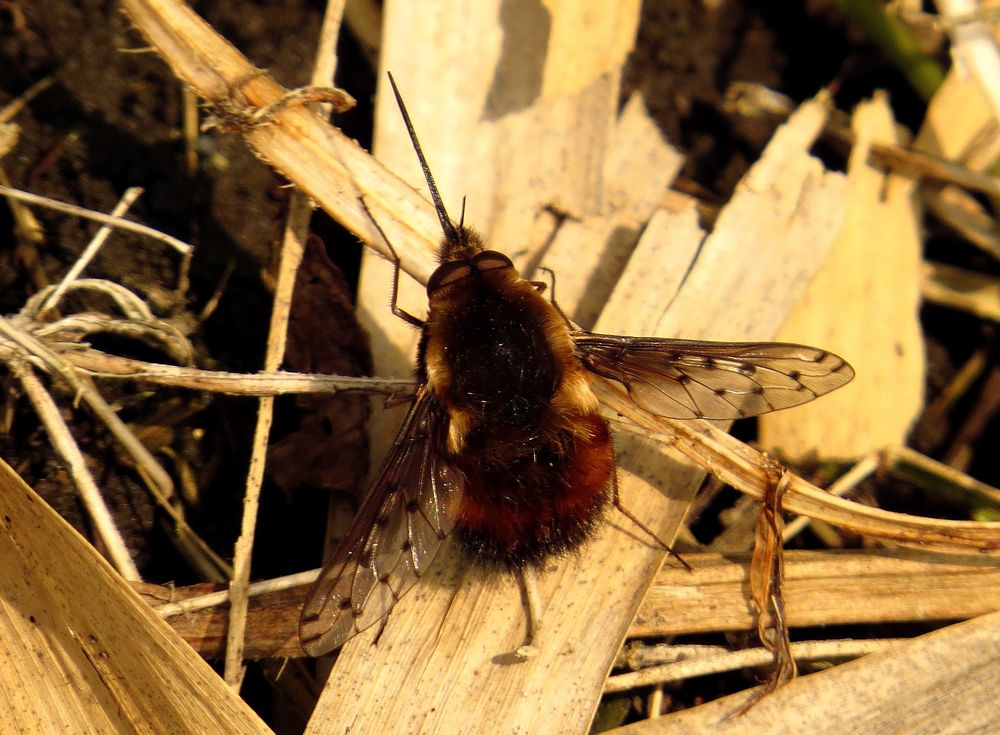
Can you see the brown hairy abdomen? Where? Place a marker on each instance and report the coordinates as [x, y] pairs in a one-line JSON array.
[[544, 500]]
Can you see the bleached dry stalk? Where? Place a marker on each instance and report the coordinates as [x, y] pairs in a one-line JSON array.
[[292, 249], [716, 660], [67, 448]]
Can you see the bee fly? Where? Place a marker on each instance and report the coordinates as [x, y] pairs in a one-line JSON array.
[[504, 445]]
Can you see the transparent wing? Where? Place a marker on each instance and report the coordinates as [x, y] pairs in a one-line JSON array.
[[689, 379], [408, 511]]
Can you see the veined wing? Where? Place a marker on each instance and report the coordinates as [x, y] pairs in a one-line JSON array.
[[690, 379], [408, 511]]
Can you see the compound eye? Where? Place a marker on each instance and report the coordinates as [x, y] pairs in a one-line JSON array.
[[491, 260], [447, 274]]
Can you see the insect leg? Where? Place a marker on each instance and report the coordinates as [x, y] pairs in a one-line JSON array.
[[404, 315], [541, 285], [616, 499], [533, 607]]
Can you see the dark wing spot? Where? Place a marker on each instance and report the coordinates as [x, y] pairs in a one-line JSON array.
[[758, 390], [794, 374], [345, 602], [711, 363], [412, 506], [684, 379], [720, 392], [746, 368]]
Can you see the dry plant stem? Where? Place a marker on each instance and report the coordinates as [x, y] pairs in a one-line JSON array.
[[209, 564], [748, 471], [654, 705], [987, 405], [122, 224], [895, 457], [319, 159], [25, 221], [43, 356], [767, 574], [751, 100], [101, 365], [724, 660], [959, 384], [291, 257], [127, 200], [843, 485], [85, 389], [14, 107], [150, 470], [136, 449], [957, 288], [292, 248], [216, 599], [960, 211], [65, 446], [191, 128]]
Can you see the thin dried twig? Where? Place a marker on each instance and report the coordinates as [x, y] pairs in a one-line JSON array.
[[102, 365], [122, 224], [64, 444], [127, 200], [292, 249], [716, 660], [14, 107], [216, 599], [958, 288], [35, 349], [843, 485]]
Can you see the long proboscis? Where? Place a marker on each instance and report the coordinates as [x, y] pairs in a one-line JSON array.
[[450, 233]]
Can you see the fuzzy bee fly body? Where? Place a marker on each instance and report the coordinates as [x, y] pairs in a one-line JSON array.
[[504, 445]]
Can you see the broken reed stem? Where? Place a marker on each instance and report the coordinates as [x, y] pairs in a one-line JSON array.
[[292, 249]]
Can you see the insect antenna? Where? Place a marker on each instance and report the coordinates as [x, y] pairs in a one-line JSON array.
[[450, 232]]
